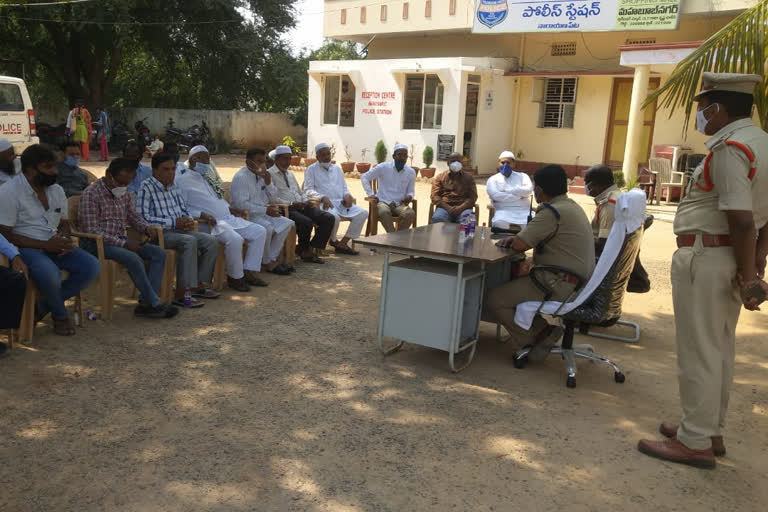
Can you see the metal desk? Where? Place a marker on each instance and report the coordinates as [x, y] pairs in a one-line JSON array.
[[435, 298]]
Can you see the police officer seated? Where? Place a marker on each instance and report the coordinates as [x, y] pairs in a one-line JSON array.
[[560, 235]]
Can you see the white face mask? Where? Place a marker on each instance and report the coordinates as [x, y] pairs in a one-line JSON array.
[[701, 120], [119, 192], [456, 166], [325, 165]]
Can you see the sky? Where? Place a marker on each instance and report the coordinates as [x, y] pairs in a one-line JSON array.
[[309, 27]]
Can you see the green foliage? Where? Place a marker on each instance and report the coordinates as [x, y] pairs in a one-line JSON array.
[[618, 178], [288, 141], [336, 50], [380, 151], [428, 156], [633, 183]]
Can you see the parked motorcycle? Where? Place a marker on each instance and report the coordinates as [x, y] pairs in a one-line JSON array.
[[195, 134], [53, 135]]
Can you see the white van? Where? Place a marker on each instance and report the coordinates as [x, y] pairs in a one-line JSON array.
[[17, 117]]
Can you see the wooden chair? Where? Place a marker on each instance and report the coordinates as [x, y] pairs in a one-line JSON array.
[[372, 227], [646, 181], [432, 208]]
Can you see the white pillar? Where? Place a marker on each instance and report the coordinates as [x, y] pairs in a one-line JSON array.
[[635, 124]]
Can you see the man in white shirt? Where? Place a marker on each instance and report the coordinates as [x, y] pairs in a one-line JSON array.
[[252, 190], [396, 185], [510, 192], [301, 212], [324, 181], [228, 225]]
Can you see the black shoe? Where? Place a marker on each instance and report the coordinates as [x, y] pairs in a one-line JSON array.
[[281, 270], [4, 350], [647, 222], [159, 311]]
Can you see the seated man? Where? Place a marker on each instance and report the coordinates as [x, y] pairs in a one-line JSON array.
[[300, 211], [454, 193], [13, 282], [560, 235], [69, 175], [106, 208], [33, 216], [160, 202], [396, 189], [227, 224], [510, 192], [9, 164], [199, 153], [599, 183], [253, 191], [132, 151], [324, 181]]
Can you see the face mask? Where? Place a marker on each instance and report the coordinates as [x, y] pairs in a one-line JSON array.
[[456, 166], [202, 168], [71, 161], [506, 170], [325, 165], [701, 120], [119, 192], [399, 165], [45, 180]]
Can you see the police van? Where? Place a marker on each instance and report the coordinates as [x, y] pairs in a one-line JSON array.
[[17, 117]]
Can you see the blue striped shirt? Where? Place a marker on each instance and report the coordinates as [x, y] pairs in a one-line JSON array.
[[160, 205], [7, 248]]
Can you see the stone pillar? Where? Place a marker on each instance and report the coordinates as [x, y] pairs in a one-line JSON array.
[[632, 149]]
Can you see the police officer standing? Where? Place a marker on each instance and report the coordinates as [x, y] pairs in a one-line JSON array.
[[722, 240]]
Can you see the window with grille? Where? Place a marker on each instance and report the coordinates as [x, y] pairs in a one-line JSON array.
[[649, 40], [564, 49], [383, 13], [559, 103], [405, 10], [362, 14], [423, 105], [343, 16], [428, 9], [339, 101]]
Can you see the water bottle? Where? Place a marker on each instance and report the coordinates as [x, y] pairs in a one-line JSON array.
[[482, 232], [91, 315], [77, 319], [471, 224], [187, 298], [462, 234]]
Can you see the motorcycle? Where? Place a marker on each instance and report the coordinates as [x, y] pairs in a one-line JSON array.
[[53, 135], [183, 139]]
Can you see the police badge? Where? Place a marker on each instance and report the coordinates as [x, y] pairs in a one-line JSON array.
[[492, 12]]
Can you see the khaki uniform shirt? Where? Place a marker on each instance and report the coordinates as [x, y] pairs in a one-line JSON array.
[[456, 189], [704, 211], [572, 246], [605, 213]]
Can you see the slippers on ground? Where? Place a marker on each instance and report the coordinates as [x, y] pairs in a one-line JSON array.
[[281, 270], [312, 259], [206, 293], [194, 303], [346, 250]]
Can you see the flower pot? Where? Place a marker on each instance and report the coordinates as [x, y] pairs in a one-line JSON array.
[[416, 170], [309, 161], [363, 167], [427, 172], [347, 166], [295, 160]]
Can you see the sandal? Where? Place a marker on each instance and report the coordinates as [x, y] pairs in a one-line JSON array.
[[281, 270], [312, 259], [63, 327], [206, 293]]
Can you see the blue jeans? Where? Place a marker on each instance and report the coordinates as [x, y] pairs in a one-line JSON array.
[[45, 270], [441, 215], [147, 281]]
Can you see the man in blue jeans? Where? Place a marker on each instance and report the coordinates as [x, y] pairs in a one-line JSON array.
[[33, 216], [107, 208]]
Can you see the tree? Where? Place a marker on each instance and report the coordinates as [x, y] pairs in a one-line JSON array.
[[333, 49], [739, 47]]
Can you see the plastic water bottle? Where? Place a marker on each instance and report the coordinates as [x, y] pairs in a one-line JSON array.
[[76, 318], [482, 232], [187, 298], [471, 225], [91, 315], [462, 234]]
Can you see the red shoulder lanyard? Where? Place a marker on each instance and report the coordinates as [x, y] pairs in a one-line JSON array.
[[708, 185], [597, 215]]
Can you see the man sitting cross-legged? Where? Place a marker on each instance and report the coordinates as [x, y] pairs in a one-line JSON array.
[[253, 191], [160, 202]]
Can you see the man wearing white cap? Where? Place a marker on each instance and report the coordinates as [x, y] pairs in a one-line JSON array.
[[719, 266], [227, 224], [9, 164], [324, 181], [396, 187], [300, 211], [253, 191], [200, 160], [510, 193]]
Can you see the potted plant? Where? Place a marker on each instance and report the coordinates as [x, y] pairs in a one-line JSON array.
[[295, 148], [333, 153], [428, 156], [380, 152], [363, 167], [348, 166], [411, 152]]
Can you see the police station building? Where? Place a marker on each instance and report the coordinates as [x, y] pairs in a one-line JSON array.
[[552, 81]]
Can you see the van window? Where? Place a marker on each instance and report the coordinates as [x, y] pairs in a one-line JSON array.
[[10, 98]]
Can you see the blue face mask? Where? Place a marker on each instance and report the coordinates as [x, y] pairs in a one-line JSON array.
[[506, 170], [71, 161], [399, 165], [202, 168]]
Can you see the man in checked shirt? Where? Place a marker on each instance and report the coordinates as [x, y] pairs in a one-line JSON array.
[[106, 208]]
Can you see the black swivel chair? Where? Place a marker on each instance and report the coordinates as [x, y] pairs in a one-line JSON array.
[[601, 309]]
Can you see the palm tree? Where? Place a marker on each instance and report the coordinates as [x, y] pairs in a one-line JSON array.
[[739, 47]]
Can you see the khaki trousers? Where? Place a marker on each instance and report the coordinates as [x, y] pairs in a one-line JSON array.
[[386, 212], [502, 302], [707, 307]]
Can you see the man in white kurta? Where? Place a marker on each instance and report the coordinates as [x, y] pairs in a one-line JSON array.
[[396, 188], [253, 191], [510, 192], [325, 182], [228, 226]]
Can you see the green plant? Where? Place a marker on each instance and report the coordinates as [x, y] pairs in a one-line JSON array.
[[364, 152], [428, 156], [618, 178], [380, 152], [288, 141], [633, 183]]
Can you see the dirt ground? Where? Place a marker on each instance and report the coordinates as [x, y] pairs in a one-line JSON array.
[[279, 400]]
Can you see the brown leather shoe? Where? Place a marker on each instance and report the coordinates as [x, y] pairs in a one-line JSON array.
[[670, 430], [254, 280], [238, 284], [675, 451]]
